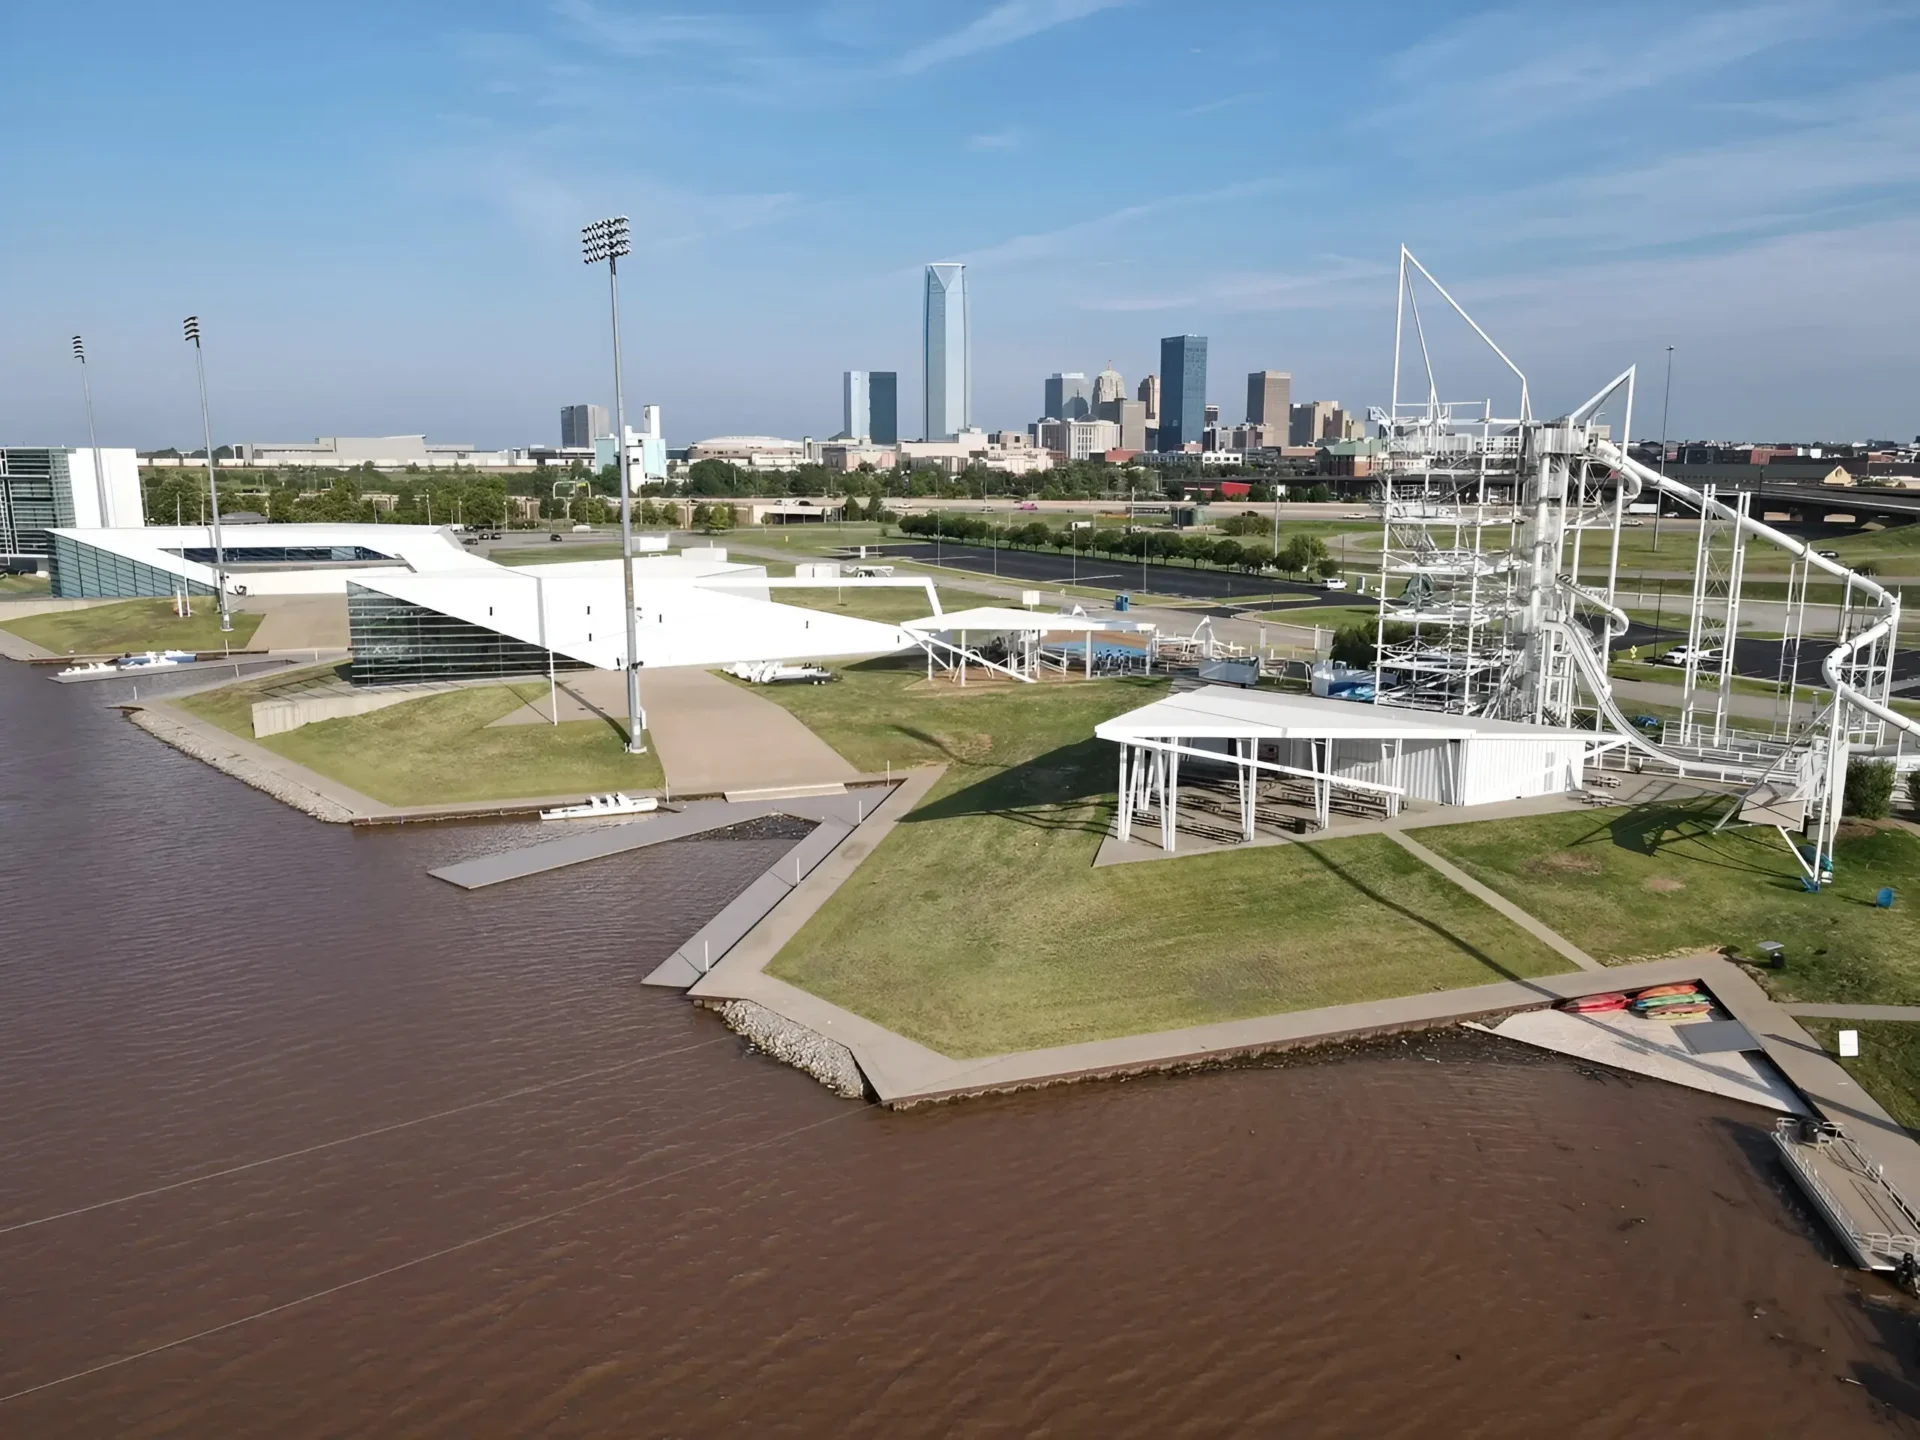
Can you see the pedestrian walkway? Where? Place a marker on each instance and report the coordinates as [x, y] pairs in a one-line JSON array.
[[1536, 928], [716, 736], [1855, 1012]]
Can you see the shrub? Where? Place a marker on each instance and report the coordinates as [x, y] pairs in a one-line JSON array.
[[1913, 789], [1870, 789]]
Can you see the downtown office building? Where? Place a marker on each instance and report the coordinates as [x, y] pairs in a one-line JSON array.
[[946, 358], [1183, 391]]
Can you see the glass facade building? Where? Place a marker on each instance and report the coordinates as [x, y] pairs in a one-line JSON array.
[[36, 495], [946, 362], [1183, 390], [85, 572], [396, 642], [883, 406]]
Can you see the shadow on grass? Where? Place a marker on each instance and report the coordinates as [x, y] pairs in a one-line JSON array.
[[1434, 927], [1658, 830], [1055, 791]]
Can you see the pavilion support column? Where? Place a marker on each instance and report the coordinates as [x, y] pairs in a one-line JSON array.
[[1173, 801], [1125, 797], [1089, 655], [963, 657], [1399, 777], [1249, 777]]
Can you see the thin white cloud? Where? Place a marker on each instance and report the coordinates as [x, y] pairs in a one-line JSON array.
[[1511, 70], [1007, 139], [649, 34], [1337, 283], [1074, 240], [1005, 23]]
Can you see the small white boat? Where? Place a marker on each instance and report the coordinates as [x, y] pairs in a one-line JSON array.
[[93, 667], [155, 659], [596, 807]]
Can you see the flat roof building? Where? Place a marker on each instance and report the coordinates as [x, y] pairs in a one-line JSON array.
[[46, 488]]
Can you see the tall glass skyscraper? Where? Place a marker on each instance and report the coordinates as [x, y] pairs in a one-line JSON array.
[[855, 405], [883, 406], [946, 360], [1183, 390]]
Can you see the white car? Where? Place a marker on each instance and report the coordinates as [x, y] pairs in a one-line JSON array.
[[1680, 654], [583, 529], [1335, 584]]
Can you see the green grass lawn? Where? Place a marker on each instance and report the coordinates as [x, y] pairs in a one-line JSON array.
[[979, 925], [439, 750], [1327, 617], [23, 587], [1630, 884], [1888, 1066], [134, 625], [552, 554]]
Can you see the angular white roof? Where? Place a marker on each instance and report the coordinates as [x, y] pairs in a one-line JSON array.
[[1223, 712], [986, 619]]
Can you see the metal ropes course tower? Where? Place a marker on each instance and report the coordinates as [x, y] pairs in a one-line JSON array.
[[1499, 591]]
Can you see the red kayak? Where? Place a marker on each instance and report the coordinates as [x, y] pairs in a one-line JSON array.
[[1594, 1004]]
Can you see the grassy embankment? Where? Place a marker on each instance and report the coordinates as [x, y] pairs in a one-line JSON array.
[[1888, 1065], [134, 625], [979, 925], [24, 587], [443, 749], [1629, 884]]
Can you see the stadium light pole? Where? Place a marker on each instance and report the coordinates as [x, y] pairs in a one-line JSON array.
[[1666, 406], [607, 240], [93, 439], [190, 328]]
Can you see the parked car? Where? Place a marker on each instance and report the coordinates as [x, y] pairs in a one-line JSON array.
[[583, 529], [1828, 554], [1644, 722], [1336, 583], [1634, 524], [555, 536], [1680, 654]]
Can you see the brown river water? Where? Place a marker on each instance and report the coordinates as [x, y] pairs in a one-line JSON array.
[[298, 1141]]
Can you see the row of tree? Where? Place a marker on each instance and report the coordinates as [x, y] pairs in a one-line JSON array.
[[1299, 554]]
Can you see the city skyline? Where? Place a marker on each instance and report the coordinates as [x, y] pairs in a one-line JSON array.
[[407, 248]]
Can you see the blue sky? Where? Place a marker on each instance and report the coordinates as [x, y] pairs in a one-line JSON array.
[[375, 207]]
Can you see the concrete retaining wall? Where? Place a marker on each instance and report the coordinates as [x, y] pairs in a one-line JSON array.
[[276, 717], [46, 605]]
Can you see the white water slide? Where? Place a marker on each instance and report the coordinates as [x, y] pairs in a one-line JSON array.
[[1485, 519]]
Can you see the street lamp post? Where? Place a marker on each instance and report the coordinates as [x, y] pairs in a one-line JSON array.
[[1666, 405], [191, 329], [607, 240], [99, 475]]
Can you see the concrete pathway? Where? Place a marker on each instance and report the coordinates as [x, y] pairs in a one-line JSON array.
[[1536, 928], [299, 622], [1855, 1012], [714, 735]]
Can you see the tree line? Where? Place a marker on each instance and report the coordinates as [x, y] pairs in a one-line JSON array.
[[1299, 554]]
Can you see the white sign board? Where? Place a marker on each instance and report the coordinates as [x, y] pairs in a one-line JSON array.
[[1849, 1044]]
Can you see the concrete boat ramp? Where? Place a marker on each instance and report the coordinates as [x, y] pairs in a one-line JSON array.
[[695, 817], [835, 816]]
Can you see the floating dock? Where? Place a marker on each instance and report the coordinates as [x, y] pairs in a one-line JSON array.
[[695, 818], [1875, 1223]]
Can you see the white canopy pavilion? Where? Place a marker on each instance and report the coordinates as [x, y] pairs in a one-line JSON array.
[[1380, 754], [951, 640]]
